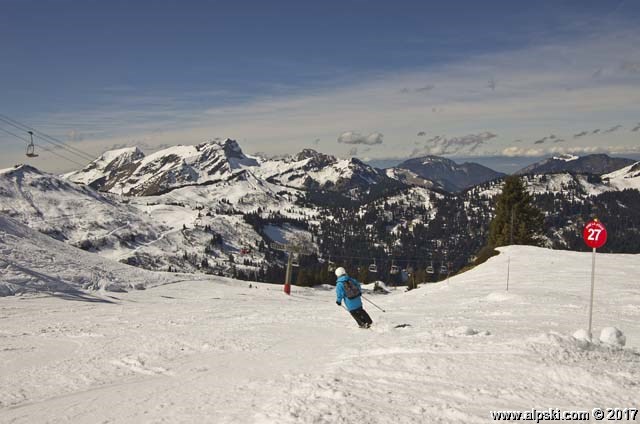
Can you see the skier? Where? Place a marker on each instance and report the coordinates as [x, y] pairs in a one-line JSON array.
[[348, 288]]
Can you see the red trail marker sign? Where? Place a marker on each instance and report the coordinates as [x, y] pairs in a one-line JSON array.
[[595, 236]]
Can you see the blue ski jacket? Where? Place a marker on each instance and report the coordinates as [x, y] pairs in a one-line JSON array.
[[351, 304]]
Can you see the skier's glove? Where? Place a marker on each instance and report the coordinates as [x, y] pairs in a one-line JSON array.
[[338, 303]]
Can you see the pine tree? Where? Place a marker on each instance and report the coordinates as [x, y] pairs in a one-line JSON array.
[[516, 220]]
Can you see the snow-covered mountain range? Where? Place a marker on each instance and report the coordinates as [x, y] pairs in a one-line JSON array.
[[590, 164], [130, 172], [211, 208]]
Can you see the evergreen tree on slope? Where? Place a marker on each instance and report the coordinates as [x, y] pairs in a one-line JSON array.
[[515, 213]]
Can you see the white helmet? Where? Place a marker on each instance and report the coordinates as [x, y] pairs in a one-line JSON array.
[[340, 272]]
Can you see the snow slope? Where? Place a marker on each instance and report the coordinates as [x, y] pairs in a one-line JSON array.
[[33, 262], [71, 212], [625, 178], [106, 167], [221, 351]]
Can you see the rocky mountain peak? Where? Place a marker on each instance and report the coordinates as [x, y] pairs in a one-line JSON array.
[[317, 158]]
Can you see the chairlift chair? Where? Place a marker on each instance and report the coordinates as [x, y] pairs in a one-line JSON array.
[[294, 261], [31, 149], [430, 269], [373, 267], [394, 269], [444, 269]]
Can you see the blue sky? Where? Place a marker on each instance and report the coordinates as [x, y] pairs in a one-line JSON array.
[[374, 79]]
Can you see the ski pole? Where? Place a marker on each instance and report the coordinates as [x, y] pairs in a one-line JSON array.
[[373, 304]]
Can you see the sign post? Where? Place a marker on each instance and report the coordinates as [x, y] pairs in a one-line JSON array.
[[595, 236]]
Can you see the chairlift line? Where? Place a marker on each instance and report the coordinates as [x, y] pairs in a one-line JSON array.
[[45, 137], [41, 147]]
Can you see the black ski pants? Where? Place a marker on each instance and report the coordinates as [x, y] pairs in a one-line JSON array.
[[361, 316]]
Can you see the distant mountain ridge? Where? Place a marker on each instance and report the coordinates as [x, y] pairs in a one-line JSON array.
[[590, 164], [128, 171], [312, 170], [448, 174], [193, 208]]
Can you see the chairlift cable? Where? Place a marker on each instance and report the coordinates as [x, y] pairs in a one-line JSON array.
[[41, 147], [45, 137]]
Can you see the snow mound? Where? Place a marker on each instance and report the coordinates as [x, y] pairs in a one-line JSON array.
[[582, 335], [576, 348], [561, 347], [466, 331], [380, 286], [377, 287], [612, 336], [501, 297]]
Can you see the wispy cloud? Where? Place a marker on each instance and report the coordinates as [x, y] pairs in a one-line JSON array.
[[612, 129], [425, 88], [598, 73], [631, 67], [351, 137], [422, 89], [580, 134], [543, 140], [636, 128], [441, 145], [421, 134]]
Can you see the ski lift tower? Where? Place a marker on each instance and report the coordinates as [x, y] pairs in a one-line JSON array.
[[295, 248]]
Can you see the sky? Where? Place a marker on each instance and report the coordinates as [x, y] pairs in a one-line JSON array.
[[500, 81]]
